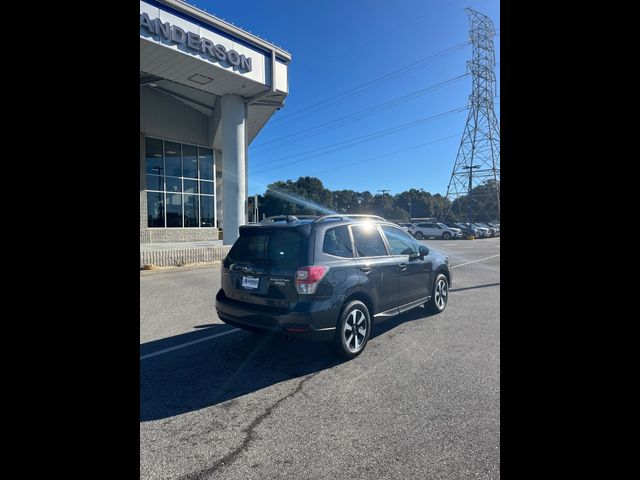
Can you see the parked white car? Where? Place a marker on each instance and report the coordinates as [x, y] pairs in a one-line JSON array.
[[435, 230]]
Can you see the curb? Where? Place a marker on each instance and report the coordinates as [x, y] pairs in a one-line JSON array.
[[183, 257], [190, 266]]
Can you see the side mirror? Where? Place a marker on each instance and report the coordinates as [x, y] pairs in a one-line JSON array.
[[424, 251]]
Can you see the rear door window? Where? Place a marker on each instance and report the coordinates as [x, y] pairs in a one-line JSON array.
[[337, 241], [368, 241]]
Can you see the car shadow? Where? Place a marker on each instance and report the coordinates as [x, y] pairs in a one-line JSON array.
[[209, 371]]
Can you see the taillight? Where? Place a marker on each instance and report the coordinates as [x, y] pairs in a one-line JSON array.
[[308, 278]]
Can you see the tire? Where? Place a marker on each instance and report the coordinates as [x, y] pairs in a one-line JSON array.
[[438, 302], [446, 235], [346, 345], [419, 235]]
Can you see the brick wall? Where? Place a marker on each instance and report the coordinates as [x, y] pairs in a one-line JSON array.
[[172, 235]]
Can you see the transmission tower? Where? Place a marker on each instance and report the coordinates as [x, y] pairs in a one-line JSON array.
[[474, 188]]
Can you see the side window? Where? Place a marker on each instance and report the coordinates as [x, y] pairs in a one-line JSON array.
[[338, 242], [429, 225], [399, 242], [368, 241], [423, 225]]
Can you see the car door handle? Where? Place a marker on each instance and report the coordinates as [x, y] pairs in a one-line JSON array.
[[402, 266], [365, 269]]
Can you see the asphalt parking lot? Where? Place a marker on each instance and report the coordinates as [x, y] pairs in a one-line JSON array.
[[422, 400]]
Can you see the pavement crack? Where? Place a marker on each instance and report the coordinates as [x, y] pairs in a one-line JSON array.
[[249, 432]]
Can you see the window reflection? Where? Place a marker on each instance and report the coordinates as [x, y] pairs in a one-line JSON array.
[[206, 164], [190, 161], [172, 159], [174, 210], [206, 187], [190, 210], [206, 211], [155, 209], [190, 186], [154, 182], [174, 184], [153, 159]]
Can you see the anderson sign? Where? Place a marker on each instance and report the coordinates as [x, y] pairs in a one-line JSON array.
[[195, 42]]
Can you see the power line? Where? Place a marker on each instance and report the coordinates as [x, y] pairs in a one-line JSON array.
[[365, 86], [367, 137], [404, 24], [357, 140], [400, 26], [413, 147], [347, 119]]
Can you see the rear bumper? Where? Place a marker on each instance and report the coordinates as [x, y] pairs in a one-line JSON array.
[[315, 320]]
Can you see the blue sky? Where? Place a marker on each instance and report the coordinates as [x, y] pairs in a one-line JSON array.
[[338, 46]]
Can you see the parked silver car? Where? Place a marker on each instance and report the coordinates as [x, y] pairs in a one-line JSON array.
[[484, 231]]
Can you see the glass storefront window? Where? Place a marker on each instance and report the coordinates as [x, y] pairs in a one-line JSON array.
[[190, 210], [206, 164], [190, 161], [155, 209], [174, 210], [179, 184], [174, 184], [206, 211], [190, 186], [173, 159], [154, 182], [153, 156], [206, 187]]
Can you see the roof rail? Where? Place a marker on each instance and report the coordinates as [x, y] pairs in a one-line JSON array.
[[288, 218], [280, 218], [345, 216]]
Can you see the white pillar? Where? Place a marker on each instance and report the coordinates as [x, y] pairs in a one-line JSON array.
[[234, 146]]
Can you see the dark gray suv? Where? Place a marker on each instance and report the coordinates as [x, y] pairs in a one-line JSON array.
[[328, 278]]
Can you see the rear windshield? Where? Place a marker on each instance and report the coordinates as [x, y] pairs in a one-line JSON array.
[[270, 246]]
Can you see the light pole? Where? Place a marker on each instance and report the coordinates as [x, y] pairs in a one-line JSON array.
[[470, 168]]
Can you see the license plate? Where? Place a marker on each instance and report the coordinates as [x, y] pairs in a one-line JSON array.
[[250, 282]]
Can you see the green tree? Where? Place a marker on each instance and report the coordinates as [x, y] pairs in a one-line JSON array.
[[307, 195], [345, 201], [397, 214]]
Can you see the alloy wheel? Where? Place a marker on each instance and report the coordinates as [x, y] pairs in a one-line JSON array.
[[441, 293], [354, 330]]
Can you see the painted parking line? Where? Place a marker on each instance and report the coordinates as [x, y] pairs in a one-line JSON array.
[[210, 337], [475, 261]]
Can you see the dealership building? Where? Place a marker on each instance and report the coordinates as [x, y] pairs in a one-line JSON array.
[[207, 88]]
